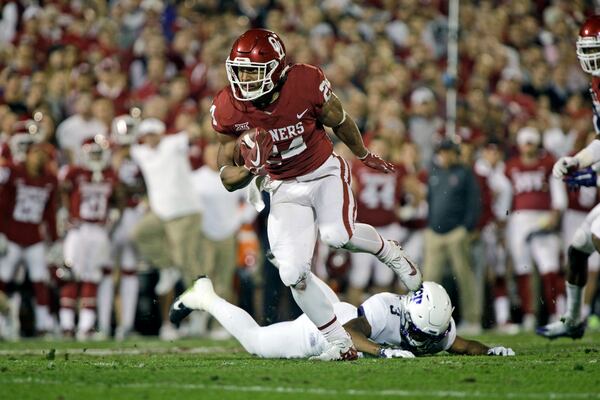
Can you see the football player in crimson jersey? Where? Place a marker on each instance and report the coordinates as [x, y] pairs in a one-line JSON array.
[[586, 239], [286, 107], [28, 196], [538, 201], [377, 199], [88, 190], [386, 325], [123, 134]]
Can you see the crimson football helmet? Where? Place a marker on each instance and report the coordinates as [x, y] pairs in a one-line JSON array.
[[262, 53], [24, 135], [95, 153], [588, 45]]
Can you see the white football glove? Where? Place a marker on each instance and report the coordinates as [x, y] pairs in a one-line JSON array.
[[564, 165], [500, 351], [395, 353], [3, 245]]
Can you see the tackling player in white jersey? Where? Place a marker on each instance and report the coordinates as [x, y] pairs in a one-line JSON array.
[[386, 325]]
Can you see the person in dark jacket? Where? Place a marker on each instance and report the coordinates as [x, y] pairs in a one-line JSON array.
[[454, 206]]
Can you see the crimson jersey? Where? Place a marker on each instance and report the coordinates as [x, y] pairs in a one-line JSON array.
[[27, 203], [420, 220], [88, 200], [377, 195], [531, 183], [300, 142]]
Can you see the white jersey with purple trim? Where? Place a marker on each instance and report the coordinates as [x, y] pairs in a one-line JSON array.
[[385, 313]]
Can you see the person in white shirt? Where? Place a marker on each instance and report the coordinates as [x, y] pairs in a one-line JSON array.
[[386, 325], [168, 235], [73, 131], [223, 214]]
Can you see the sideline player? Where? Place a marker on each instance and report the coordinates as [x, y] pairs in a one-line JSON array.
[[586, 239], [386, 325], [280, 112], [28, 202]]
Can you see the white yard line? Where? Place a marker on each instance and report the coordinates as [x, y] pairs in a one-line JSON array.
[[321, 391], [119, 352]]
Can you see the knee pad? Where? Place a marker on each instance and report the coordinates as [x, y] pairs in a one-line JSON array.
[[336, 237], [293, 276]]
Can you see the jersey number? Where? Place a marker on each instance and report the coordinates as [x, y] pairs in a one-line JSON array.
[[377, 193], [294, 148], [93, 207]]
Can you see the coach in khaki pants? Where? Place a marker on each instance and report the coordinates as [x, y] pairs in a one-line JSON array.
[[168, 235], [453, 197]]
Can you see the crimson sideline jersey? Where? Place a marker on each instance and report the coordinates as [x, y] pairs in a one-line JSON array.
[[300, 142], [385, 313], [26, 204], [420, 221], [88, 200], [531, 183], [377, 195], [487, 198]]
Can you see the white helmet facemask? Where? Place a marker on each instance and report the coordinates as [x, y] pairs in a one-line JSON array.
[[250, 90], [588, 53]]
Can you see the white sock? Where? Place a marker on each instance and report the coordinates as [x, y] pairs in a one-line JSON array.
[[574, 300], [87, 318], [104, 303], [502, 310], [366, 240], [66, 317], [316, 305], [43, 319], [333, 298], [128, 292]]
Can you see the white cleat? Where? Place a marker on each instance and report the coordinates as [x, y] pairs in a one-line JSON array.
[[192, 299], [339, 350], [563, 328], [407, 271]]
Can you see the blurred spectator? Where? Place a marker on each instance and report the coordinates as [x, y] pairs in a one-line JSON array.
[[424, 124], [453, 197], [82, 125]]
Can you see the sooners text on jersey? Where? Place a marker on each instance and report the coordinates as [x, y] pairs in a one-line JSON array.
[[300, 142], [531, 183], [26, 203], [89, 200]]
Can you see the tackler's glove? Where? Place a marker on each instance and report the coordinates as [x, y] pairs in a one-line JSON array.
[[500, 351], [395, 353], [374, 161], [255, 146], [564, 166], [585, 177]]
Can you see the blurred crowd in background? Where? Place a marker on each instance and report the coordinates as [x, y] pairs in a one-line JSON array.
[[84, 82]]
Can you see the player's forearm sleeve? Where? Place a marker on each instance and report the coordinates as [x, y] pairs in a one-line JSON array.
[[558, 193], [589, 155]]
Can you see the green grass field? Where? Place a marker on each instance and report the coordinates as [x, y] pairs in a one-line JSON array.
[[201, 369]]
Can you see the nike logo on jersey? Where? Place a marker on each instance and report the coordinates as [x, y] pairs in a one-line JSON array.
[[301, 114]]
